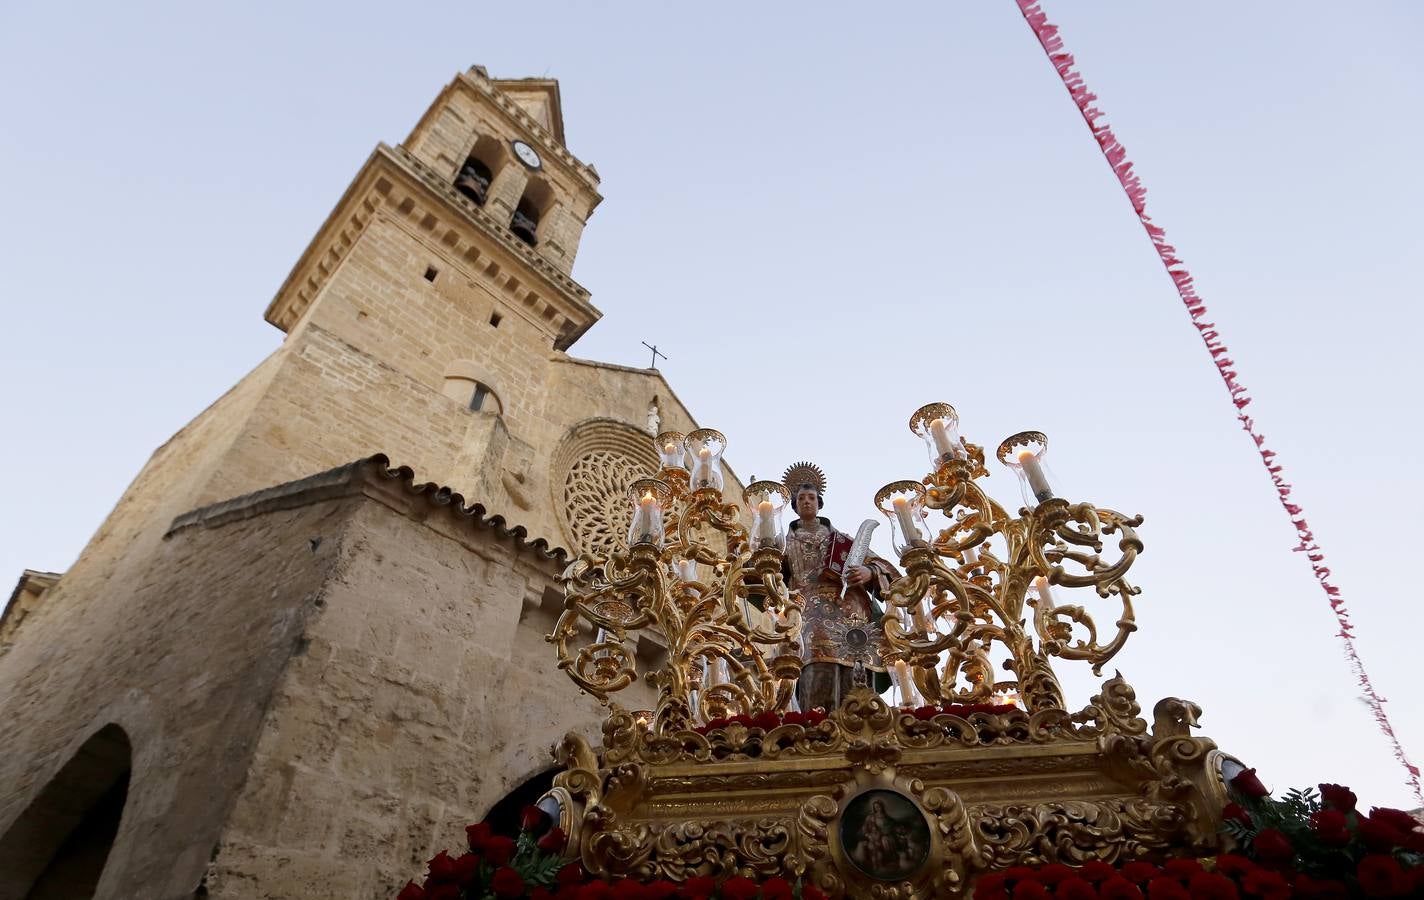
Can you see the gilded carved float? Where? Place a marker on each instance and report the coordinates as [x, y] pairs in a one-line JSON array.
[[956, 775]]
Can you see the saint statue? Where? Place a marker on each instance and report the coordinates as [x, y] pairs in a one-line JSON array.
[[841, 617]]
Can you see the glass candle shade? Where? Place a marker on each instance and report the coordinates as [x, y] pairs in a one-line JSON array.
[[672, 450], [767, 500], [649, 497], [903, 503], [937, 424], [706, 446], [1026, 454]]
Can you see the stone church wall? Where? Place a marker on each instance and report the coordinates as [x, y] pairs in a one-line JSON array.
[[183, 656], [424, 694]]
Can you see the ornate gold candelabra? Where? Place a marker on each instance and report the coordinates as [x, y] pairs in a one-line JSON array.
[[711, 589], [725, 777]]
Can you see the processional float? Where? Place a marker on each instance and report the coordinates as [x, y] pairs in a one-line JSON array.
[[957, 775]]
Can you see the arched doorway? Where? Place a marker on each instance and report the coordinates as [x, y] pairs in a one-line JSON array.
[[505, 814], [58, 846]]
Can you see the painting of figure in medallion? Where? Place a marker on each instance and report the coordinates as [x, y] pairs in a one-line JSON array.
[[884, 835]]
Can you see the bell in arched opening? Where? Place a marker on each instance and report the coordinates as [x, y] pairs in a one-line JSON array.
[[525, 223], [474, 180]]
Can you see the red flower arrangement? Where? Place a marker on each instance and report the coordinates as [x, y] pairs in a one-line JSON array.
[[499, 867], [1304, 845]]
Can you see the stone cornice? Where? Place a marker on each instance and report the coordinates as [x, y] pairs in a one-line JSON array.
[[376, 478], [395, 181]]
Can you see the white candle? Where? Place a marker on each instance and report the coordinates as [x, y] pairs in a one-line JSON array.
[[1040, 584], [644, 518], [687, 569], [907, 521], [908, 695], [766, 523], [943, 445], [971, 558], [705, 475], [1037, 481]]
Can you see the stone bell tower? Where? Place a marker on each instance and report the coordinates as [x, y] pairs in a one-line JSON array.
[[283, 667]]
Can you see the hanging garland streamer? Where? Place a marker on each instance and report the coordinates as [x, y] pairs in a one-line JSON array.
[[1116, 156]]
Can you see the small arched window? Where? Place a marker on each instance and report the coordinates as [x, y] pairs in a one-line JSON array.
[[472, 386], [475, 176], [535, 202]]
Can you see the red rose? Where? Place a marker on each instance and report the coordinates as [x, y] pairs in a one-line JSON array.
[[466, 868], [776, 888], [739, 888], [1381, 876], [1248, 784], [1075, 888], [533, 819], [1052, 873], [1181, 868], [1028, 889], [553, 841], [1379, 836], [1164, 888], [540, 893], [507, 883], [1116, 888], [1337, 796], [699, 888], [1267, 884], [595, 890], [742, 719], [795, 717], [1330, 827], [1096, 870], [499, 850], [442, 869], [1211, 886], [629, 889], [443, 892], [811, 892], [1017, 873], [1235, 812], [477, 835], [766, 720], [1272, 847], [990, 887], [925, 713], [715, 724], [411, 891], [816, 716], [569, 874], [662, 889], [1139, 872], [1396, 817], [1234, 864], [1313, 889]]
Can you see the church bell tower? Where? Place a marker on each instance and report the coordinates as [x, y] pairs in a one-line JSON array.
[[293, 660]]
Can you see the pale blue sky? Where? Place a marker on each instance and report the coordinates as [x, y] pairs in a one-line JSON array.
[[904, 203]]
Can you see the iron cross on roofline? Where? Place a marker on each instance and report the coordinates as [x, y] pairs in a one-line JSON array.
[[656, 354]]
